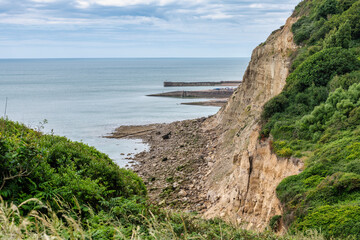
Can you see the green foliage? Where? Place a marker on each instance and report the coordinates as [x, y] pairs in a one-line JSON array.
[[282, 149], [87, 195], [276, 104], [48, 167], [338, 220], [344, 81], [319, 68], [352, 15], [328, 7], [275, 222], [306, 88], [344, 5], [343, 35], [330, 178], [317, 117], [303, 30], [320, 17], [339, 38], [334, 113], [157, 225]]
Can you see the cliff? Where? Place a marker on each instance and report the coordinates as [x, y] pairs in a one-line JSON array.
[[222, 167], [241, 184]]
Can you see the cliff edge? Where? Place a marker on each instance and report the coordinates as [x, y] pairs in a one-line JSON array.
[[241, 184], [219, 166]]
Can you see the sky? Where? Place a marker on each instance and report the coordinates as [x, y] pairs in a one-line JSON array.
[[137, 28]]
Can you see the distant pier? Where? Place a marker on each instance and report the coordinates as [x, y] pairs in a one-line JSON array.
[[198, 84], [216, 93]]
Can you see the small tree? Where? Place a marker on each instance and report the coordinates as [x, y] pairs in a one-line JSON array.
[[327, 8], [343, 35], [330, 40]]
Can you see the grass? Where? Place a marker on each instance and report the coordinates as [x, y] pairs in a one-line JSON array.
[[66, 223]]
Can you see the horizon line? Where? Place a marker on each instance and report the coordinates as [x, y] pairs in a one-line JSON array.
[[49, 58]]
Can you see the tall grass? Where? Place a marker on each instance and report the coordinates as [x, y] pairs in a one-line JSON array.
[[66, 223]]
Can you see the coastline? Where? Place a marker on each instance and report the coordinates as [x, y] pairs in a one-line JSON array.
[[174, 167]]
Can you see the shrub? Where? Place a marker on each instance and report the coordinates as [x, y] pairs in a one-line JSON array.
[[274, 223], [318, 118], [345, 4], [319, 69], [340, 221], [344, 81], [335, 112], [275, 105], [328, 7], [352, 15], [48, 167]]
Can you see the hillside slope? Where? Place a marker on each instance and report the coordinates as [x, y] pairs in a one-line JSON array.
[[309, 126], [243, 180], [53, 188]]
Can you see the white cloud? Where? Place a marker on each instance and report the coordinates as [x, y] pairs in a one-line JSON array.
[[146, 23], [34, 19], [124, 3], [216, 16], [44, 1], [270, 6]]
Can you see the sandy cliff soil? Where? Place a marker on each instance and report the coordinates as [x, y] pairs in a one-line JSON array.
[[244, 177], [219, 166]]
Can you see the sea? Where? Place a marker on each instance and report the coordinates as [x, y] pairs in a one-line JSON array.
[[86, 99]]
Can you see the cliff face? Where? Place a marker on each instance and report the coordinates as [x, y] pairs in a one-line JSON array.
[[241, 183]]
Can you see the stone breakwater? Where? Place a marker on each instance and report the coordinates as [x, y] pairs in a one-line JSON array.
[[198, 84], [216, 93]]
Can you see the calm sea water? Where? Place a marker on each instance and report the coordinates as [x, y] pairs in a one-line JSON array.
[[85, 99]]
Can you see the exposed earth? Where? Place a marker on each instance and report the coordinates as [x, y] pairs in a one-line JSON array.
[[175, 166]]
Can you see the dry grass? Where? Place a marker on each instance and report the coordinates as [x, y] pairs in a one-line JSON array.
[[66, 224]]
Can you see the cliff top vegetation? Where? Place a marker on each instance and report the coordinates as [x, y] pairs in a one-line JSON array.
[[316, 118]]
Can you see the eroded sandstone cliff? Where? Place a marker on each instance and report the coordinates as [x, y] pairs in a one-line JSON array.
[[241, 184], [219, 166]]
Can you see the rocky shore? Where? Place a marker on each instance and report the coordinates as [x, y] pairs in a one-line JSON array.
[[177, 163]]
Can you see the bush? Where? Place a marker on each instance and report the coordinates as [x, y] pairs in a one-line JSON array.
[[320, 68], [340, 221], [275, 105], [344, 81], [49, 167], [274, 223], [352, 15], [306, 88], [335, 112], [328, 7], [317, 117]]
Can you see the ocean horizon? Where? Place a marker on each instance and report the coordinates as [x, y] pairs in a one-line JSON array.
[[85, 99]]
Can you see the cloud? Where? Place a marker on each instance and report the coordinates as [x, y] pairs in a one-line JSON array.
[[124, 23], [216, 16], [44, 1], [126, 3]]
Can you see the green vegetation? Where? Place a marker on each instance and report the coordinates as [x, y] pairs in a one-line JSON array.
[[53, 188], [48, 166], [317, 117]]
